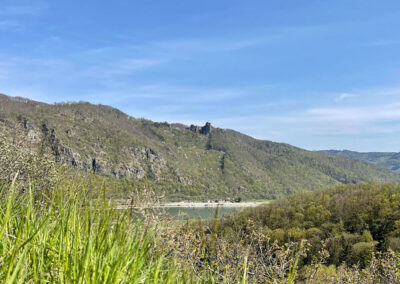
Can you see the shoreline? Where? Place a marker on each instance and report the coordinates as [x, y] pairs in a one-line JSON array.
[[184, 204], [212, 204]]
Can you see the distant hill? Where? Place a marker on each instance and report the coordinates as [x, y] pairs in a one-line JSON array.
[[389, 160], [197, 161]]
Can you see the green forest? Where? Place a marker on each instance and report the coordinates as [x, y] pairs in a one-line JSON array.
[[348, 224], [59, 225]]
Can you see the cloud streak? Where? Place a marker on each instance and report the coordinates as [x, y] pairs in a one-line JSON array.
[[344, 96], [207, 44], [22, 8], [8, 25], [122, 67], [356, 115]]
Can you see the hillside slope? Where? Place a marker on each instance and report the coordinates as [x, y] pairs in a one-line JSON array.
[[389, 160], [351, 220], [201, 162]]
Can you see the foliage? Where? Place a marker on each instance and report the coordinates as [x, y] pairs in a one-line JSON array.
[[266, 261], [261, 260], [19, 160], [352, 221]]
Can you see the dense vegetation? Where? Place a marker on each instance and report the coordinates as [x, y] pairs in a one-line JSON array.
[[389, 160], [345, 224], [185, 162], [57, 226]]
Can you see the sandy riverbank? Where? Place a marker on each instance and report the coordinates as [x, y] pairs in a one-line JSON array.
[[212, 204], [184, 204]]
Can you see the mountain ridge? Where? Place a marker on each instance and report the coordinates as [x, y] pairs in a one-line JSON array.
[[188, 161], [389, 160]]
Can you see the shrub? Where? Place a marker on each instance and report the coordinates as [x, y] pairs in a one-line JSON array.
[[361, 253], [28, 166]]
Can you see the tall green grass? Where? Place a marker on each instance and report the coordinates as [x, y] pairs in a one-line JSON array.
[[62, 238]]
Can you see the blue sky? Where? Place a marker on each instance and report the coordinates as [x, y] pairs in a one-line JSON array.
[[315, 74]]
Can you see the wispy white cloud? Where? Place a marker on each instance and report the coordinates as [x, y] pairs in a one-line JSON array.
[[122, 67], [180, 47], [13, 13], [21, 70], [382, 92], [208, 44], [356, 115], [344, 96], [39, 68], [10, 25], [172, 98], [22, 8], [177, 49]]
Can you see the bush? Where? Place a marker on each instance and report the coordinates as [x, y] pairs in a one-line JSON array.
[[361, 253], [26, 165]]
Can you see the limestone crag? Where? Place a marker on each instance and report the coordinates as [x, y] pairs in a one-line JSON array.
[[205, 130]]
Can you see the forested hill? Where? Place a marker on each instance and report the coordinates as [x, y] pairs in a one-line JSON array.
[[389, 160], [201, 162], [351, 220]]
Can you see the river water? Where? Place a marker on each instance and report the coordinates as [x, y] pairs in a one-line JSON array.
[[184, 213]]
